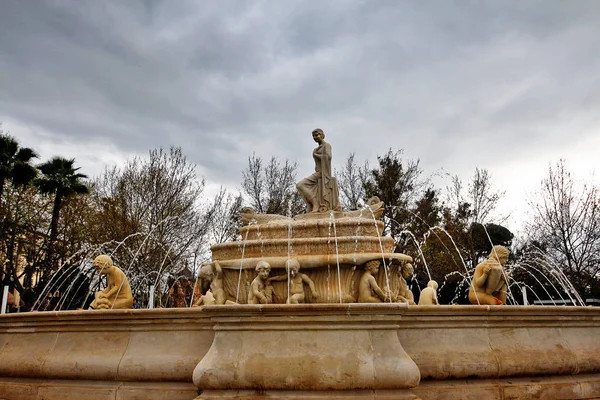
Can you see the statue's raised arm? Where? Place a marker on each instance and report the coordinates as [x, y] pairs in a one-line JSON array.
[[320, 191]]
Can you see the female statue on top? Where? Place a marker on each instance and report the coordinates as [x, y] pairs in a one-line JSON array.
[[320, 190]]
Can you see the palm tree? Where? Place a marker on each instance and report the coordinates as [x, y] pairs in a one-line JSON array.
[[15, 163], [60, 178]]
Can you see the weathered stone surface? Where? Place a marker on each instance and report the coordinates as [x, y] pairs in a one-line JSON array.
[[344, 351], [301, 246], [308, 225], [91, 354], [301, 395], [329, 246], [77, 356], [325, 279], [501, 341], [23, 352], [318, 348], [63, 389], [542, 388]]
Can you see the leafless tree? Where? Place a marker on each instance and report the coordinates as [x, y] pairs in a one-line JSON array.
[[26, 216], [226, 219], [566, 221], [455, 191], [351, 182], [154, 205], [271, 188], [481, 196]]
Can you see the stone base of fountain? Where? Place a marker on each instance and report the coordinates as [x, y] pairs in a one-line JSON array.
[[378, 351], [298, 395], [318, 349]]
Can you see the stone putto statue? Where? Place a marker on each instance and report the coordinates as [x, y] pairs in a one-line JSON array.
[[489, 284], [320, 190], [261, 292], [368, 289], [211, 275], [405, 295], [117, 293], [297, 282], [429, 295]]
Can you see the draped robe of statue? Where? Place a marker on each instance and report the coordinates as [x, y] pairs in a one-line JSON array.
[[320, 190]]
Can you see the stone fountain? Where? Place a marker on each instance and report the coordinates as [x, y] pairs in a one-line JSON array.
[[327, 243], [352, 331], [331, 248]]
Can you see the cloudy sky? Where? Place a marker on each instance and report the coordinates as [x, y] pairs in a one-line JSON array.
[[509, 86]]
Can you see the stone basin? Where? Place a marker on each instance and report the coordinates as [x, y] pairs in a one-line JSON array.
[[361, 351], [330, 251]]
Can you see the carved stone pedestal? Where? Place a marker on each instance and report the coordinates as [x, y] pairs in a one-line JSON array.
[[306, 351]]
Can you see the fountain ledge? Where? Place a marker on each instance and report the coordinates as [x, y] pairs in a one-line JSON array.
[[303, 351], [316, 261]]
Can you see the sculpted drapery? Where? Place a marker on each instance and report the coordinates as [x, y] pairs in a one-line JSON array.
[[320, 190]]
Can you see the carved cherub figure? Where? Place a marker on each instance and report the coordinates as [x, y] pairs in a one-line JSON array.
[[405, 295], [297, 281], [489, 282], [211, 276], [368, 289], [118, 292], [260, 290], [429, 295]]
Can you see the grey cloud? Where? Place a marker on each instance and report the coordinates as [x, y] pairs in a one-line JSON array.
[[224, 79]]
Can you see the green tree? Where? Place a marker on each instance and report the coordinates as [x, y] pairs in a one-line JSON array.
[[14, 166], [61, 179], [15, 163], [483, 237], [398, 184]]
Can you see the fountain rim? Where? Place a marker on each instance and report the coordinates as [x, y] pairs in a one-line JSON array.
[[308, 261]]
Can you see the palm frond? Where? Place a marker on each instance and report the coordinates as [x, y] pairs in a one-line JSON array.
[[25, 154]]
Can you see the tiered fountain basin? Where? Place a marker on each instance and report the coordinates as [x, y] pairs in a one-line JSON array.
[[316, 351], [331, 250]]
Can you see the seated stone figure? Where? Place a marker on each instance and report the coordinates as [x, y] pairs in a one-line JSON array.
[[405, 295], [489, 284], [297, 282], [211, 275], [429, 295], [260, 290], [368, 289], [117, 293]]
